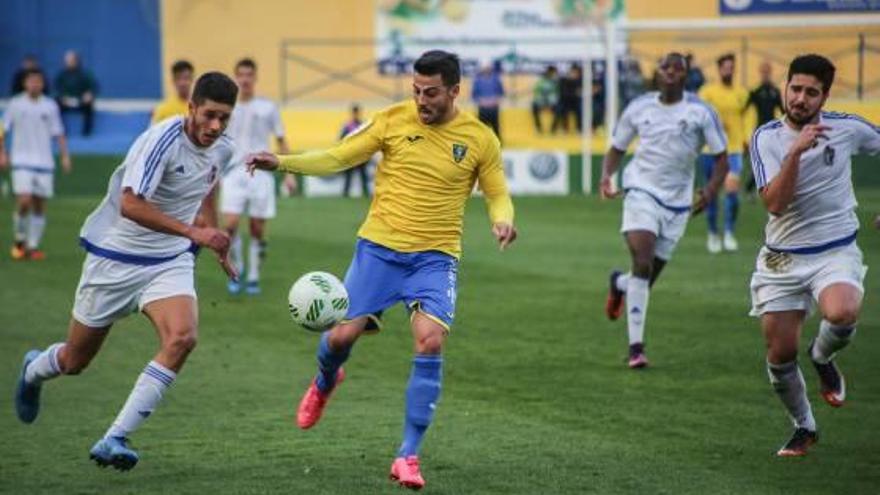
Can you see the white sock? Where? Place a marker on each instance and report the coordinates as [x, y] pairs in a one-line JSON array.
[[19, 227], [636, 308], [144, 397], [255, 257], [831, 338], [35, 230], [45, 367], [788, 382], [235, 253], [622, 281]]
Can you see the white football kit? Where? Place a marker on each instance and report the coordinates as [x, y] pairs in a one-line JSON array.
[[33, 122], [811, 245], [659, 180], [129, 265], [252, 124]]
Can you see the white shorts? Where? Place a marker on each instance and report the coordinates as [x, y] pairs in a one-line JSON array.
[[642, 212], [793, 281], [111, 290], [240, 193], [33, 181]]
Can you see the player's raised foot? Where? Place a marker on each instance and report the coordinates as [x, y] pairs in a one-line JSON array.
[[614, 301], [18, 252], [713, 243], [832, 385], [36, 255], [729, 243], [252, 288], [233, 287], [796, 446], [405, 471], [637, 358], [114, 451], [313, 402], [27, 396]]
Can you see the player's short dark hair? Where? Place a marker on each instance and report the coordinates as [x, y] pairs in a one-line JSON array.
[[724, 58], [439, 62], [813, 65], [679, 56], [247, 63], [215, 86], [33, 72], [181, 66]]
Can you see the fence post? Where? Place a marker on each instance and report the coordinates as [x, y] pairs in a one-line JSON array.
[[860, 83]]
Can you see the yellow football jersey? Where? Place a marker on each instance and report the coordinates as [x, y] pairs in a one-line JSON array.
[[426, 175], [730, 103], [169, 107]]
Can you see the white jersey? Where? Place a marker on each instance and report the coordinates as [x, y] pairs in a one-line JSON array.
[[822, 212], [670, 138], [164, 167], [252, 124], [34, 122]]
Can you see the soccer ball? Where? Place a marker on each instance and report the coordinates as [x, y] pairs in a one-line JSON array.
[[318, 300]]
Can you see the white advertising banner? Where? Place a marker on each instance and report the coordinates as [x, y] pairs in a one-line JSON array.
[[536, 172], [520, 35]]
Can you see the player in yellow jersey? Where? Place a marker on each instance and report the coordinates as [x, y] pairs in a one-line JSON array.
[[408, 247], [730, 101], [182, 77]]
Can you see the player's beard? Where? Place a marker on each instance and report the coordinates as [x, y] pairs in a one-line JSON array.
[[800, 122]]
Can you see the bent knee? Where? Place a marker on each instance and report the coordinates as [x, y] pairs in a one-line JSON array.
[[430, 344], [182, 340], [843, 315]]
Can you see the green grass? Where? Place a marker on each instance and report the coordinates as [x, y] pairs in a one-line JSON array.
[[536, 396]]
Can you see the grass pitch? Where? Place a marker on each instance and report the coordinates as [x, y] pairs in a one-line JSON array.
[[536, 396]]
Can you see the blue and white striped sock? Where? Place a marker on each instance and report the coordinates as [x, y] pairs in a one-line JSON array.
[[45, 367], [143, 400]]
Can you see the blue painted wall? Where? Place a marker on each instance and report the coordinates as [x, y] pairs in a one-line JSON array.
[[118, 40]]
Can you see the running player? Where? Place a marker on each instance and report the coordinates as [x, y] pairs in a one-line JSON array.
[[140, 245], [802, 164], [34, 120], [730, 101], [253, 121], [408, 247], [177, 104], [659, 181]]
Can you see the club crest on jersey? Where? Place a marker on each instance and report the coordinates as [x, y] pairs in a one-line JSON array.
[[828, 155], [213, 174], [458, 152]]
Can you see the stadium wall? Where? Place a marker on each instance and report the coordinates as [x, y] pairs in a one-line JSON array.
[[118, 41]]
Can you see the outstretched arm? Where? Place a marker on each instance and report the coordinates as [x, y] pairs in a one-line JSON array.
[[357, 148]]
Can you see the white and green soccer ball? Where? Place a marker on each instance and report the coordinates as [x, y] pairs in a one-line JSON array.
[[318, 300]]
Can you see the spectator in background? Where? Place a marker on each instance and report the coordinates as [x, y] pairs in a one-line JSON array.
[[695, 78], [352, 125], [177, 104], [598, 100], [28, 64], [570, 97], [75, 89], [767, 99], [545, 96], [632, 83], [487, 93]]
